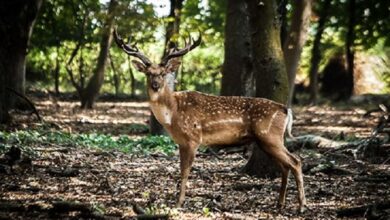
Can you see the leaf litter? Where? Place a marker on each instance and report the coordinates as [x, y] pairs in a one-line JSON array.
[[71, 181]]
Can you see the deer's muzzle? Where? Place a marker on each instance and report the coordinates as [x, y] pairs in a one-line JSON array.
[[155, 86]]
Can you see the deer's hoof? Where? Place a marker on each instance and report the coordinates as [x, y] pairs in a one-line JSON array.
[[301, 209]]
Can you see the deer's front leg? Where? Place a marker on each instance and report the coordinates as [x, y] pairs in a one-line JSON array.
[[187, 155]]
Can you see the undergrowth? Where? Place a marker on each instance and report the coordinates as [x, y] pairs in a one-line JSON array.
[[145, 145]]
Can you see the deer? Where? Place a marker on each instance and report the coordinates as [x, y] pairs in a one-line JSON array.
[[193, 118]]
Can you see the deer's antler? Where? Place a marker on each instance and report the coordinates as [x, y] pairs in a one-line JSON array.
[[181, 52], [131, 50]]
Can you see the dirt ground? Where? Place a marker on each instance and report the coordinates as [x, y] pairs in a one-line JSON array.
[[115, 184]]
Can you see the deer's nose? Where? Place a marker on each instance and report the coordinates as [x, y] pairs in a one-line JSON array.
[[155, 86]]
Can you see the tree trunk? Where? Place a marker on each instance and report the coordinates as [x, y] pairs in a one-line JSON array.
[[269, 69], [282, 11], [238, 78], [57, 73], [16, 25], [316, 53], [350, 44], [132, 78], [296, 38], [90, 93], [172, 32], [116, 77], [4, 116], [173, 26]]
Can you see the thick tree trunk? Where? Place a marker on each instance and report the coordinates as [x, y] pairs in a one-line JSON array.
[[90, 93], [316, 53], [350, 44], [237, 74], [270, 71], [4, 116], [172, 32], [296, 38], [269, 67], [16, 24], [282, 11]]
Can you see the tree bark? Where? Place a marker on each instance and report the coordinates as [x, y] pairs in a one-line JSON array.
[[172, 31], [282, 11], [269, 69], [4, 116], [296, 38], [16, 25], [91, 92], [350, 43], [316, 53], [238, 78]]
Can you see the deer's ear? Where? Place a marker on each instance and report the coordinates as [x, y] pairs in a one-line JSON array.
[[139, 66], [172, 65]]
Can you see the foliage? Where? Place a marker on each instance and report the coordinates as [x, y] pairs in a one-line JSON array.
[[145, 145], [371, 30], [201, 70], [69, 22], [63, 23]]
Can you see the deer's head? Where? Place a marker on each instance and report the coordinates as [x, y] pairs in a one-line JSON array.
[[156, 73]]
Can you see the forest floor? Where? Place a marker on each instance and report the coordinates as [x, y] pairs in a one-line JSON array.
[[70, 181]]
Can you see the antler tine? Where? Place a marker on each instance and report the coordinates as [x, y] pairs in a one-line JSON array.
[[181, 52], [130, 50]]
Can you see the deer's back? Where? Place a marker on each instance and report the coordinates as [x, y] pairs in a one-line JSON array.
[[221, 120]]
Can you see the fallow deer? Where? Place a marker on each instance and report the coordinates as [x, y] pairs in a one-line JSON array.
[[194, 118]]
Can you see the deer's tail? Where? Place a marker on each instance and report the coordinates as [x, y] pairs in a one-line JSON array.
[[289, 123]]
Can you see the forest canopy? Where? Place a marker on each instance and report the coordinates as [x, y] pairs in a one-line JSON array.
[[62, 24]]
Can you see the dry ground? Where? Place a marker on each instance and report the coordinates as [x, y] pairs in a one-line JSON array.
[[113, 182]]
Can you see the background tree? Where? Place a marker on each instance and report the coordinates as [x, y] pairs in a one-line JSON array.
[[16, 25], [238, 77], [90, 93], [269, 69], [296, 38], [349, 44], [316, 52]]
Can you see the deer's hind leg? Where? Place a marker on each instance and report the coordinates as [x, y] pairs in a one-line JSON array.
[[274, 146], [283, 188]]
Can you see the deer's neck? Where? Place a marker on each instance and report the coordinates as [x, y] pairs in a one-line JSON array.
[[163, 105]]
